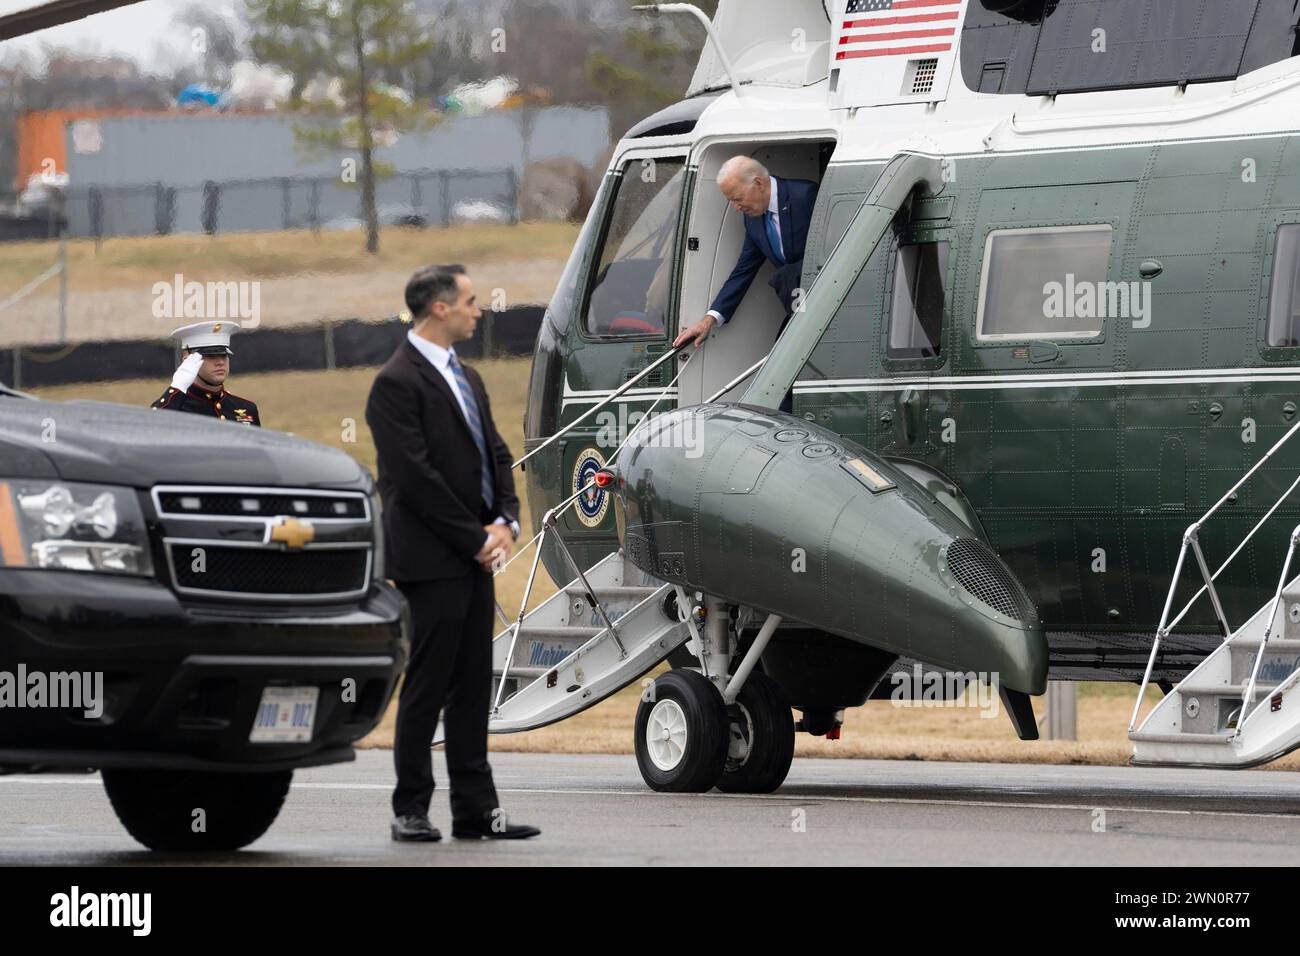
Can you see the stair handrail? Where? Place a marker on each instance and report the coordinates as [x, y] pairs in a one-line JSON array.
[[605, 401], [712, 398], [1249, 694], [550, 524], [1191, 540]]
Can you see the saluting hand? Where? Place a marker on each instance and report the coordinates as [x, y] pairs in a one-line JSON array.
[[187, 372]]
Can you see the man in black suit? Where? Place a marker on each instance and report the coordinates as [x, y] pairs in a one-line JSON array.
[[450, 513]]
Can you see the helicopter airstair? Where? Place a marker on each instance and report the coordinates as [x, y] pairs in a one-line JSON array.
[[591, 638], [1238, 707]]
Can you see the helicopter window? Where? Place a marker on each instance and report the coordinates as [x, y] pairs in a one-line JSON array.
[[916, 317], [1044, 283], [1284, 297], [629, 290]]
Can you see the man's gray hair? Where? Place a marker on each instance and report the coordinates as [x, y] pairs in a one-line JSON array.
[[745, 167]]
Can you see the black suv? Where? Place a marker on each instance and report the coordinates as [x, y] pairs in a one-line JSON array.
[[193, 607]]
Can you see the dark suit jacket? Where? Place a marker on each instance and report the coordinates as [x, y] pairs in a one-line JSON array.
[[795, 200], [430, 471]]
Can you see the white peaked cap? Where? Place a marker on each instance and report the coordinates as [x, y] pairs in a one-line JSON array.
[[209, 334]]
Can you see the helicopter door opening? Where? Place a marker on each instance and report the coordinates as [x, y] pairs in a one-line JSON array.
[[715, 235]]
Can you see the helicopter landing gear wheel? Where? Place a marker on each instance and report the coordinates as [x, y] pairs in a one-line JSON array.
[[681, 733], [761, 744]]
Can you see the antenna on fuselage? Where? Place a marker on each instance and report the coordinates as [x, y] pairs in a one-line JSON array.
[[654, 9]]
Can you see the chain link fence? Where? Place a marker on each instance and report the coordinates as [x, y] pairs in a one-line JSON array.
[[419, 198]]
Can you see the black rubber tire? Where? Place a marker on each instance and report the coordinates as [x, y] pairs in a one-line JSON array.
[[771, 744], [706, 733], [157, 806]]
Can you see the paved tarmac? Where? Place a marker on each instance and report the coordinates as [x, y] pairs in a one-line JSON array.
[[595, 810]]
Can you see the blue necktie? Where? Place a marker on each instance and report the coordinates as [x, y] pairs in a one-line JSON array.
[[475, 422], [773, 238]]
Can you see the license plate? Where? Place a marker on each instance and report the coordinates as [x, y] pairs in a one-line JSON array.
[[285, 715]]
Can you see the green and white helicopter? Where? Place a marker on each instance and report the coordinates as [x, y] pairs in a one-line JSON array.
[[1044, 371]]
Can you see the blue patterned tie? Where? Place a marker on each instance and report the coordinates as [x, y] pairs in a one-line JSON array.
[[475, 422], [773, 238]]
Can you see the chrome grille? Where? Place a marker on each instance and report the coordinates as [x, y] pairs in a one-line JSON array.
[[266, 544], [260, 504], [985, 576]]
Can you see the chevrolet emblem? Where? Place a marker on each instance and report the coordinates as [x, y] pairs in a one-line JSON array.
[[293, 533], [216, 327]]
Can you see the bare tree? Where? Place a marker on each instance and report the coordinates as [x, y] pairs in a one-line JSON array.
[[214, 40], [357, 41]]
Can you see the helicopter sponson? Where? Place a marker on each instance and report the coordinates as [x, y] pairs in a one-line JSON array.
[[771, 512]]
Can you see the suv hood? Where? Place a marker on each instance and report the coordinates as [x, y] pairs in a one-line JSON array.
[[122, 445]]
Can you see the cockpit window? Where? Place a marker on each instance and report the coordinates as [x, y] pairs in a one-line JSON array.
[[1284, 297], [631, 282]]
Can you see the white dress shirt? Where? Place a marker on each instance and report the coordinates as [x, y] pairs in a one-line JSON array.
[[440, 359], [775, 216]]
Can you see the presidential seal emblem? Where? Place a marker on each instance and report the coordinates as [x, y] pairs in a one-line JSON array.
[[594, 502]]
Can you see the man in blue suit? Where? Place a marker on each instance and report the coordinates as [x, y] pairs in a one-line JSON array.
[[777, 213]]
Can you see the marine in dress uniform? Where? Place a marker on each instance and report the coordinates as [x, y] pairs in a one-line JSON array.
[[199, 385]]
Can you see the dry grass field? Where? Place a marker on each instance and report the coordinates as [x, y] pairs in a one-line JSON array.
[[314, 405], [302, 277]]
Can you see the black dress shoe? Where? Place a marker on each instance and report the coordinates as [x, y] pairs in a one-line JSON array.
[[492, 826], [413, 828]]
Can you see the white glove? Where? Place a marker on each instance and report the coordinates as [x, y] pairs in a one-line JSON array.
[[188, 372]]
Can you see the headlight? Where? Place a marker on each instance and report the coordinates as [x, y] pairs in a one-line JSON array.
[[70, 526]]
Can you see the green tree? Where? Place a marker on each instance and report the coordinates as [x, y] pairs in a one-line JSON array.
[[359, 42]]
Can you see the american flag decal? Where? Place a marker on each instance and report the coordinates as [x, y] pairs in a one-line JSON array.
[[875, 28]]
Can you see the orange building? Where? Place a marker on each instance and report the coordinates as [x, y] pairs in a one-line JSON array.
[[42, 136]]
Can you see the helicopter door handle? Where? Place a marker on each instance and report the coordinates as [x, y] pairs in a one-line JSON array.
[[1044, 352]]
